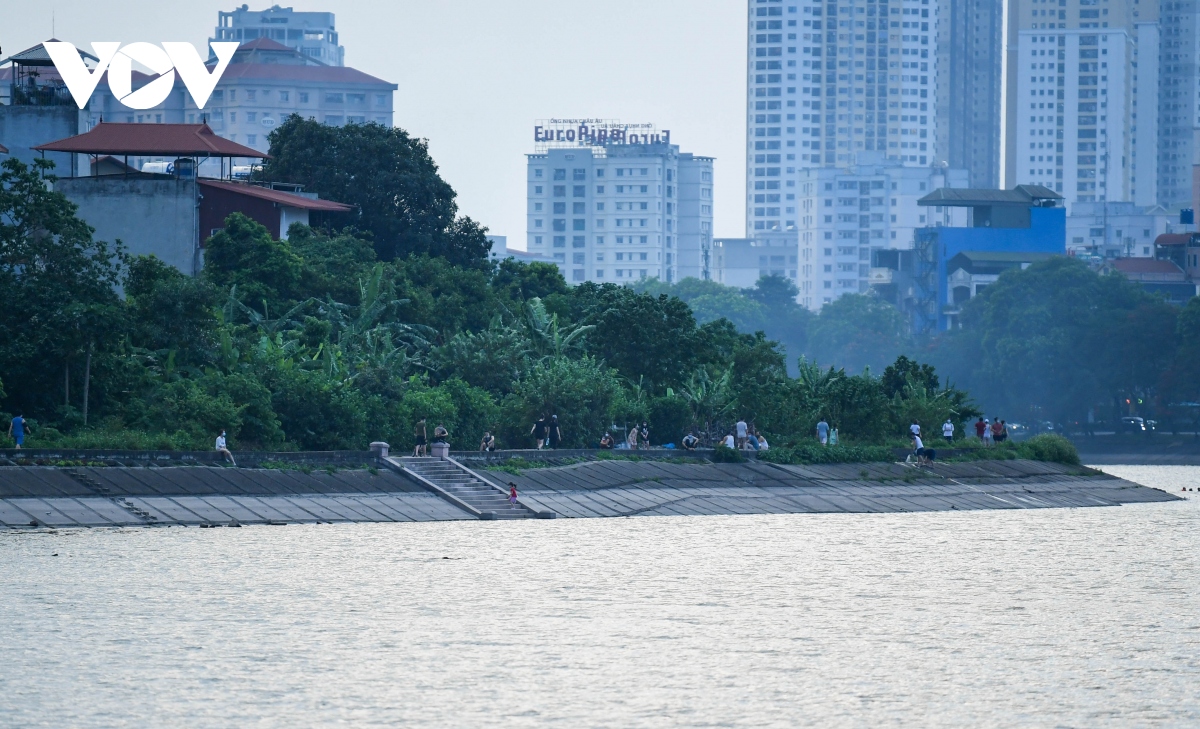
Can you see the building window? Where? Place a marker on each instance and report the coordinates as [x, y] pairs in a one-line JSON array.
[[251, 117], [357, 99], [303, 96], [335, 120], [380, 99], [577, 274], [285, 96], [251, 139], [331, 98]]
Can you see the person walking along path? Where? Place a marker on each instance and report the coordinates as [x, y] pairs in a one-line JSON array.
[[16, 430]]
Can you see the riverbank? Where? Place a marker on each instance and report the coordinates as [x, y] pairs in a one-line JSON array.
[[399, 489]]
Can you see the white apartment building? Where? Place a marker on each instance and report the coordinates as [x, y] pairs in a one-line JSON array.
[[827, 80], [848, 214], [1178, 101], [1076, 132], [1115, 229], [312, 34], [618, 210], [1083, 99]]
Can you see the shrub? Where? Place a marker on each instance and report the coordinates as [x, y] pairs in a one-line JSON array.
[[1049, 447], [724, 454]]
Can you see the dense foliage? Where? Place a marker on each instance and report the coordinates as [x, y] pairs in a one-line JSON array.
[[334, 338]]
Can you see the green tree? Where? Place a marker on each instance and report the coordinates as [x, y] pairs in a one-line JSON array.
[[243, 254], [62, 309], [642, 336], [388, 174], [1043, 342], [581, 392], [333, 264], [171, 311]]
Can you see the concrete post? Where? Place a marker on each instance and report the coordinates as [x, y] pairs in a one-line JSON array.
[[379, 449], [440, 450]]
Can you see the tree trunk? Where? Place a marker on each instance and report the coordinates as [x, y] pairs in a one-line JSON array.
[[87, 382]]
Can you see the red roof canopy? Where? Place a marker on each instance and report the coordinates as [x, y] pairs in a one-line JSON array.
[[1173, 239], [1145, 265], [3, 149], [193, 140], [286, 199]]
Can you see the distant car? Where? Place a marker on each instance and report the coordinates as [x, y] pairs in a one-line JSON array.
[[1136, 425]]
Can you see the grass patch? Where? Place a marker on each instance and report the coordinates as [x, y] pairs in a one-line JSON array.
[[814, 454]]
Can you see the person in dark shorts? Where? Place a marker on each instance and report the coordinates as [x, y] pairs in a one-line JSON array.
[[690, 441], [555, 435], [539, 431], [488, 444], [645, 434], [419, 438]]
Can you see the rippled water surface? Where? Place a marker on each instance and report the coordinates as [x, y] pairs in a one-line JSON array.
[[1082, 617]]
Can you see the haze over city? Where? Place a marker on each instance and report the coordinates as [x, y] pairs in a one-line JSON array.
[[474, 76]]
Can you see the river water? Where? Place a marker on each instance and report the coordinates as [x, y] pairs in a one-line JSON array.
[[1057, 618]]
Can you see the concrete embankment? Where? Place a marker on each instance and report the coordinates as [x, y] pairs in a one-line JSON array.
[[399, 489]]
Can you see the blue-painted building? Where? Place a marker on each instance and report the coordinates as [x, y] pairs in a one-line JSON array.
[[1005, 229]]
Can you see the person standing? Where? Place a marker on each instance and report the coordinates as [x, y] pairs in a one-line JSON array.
[[555, 434], [632, 439], [823, 432], [997, 431], [987, 432], [915, 428], [539, 431], [419, 438], [645, 434], [512, 494], [16, 430], [741, 433], [833, 436], [223, 449], [980, 427], [948, 430], [1003, 432]]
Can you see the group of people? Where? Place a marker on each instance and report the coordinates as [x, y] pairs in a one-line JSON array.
[[546, 432], [826, 434], [991, 431], [925, 456], [637, 438], [421, 437], [744, 437]]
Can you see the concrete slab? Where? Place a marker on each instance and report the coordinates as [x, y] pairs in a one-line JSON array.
[[45, 512], [13, 515]]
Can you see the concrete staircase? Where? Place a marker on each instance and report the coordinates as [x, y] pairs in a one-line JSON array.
[[462, 486]]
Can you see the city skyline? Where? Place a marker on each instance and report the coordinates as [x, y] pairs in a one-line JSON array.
[[650, 71]]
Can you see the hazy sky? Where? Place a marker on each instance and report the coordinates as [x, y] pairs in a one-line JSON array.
[[474, 75]]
